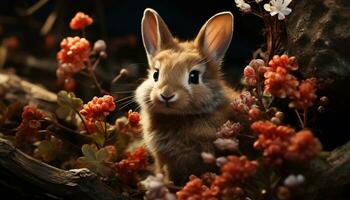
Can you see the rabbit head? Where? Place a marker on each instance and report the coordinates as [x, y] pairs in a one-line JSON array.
[[184, 77]]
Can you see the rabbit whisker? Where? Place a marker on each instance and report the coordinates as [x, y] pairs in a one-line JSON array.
[[125, 98]]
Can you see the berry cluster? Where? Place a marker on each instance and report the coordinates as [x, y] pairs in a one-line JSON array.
[[233, 173], [30, 124], [134, 118], [196, 190], [98, 108], [74, 52], [156, 188], [80, 21], [278, 80], [112, 152], [134, 163], [253, 71], [303, 147], [229, 130], [305, 96], [242, 105], [280, 142], [273, 140], [226, 136]]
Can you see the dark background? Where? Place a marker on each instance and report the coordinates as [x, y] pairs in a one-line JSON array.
[[118, 22]]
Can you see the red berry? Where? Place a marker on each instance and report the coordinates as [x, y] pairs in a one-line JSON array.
[[98, 108], [254, 113], [134, 118], [70, 84]]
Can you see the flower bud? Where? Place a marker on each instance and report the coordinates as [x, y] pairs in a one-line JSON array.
[[100, 45]]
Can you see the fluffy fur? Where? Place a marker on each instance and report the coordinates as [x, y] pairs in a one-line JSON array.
[[176, 132]]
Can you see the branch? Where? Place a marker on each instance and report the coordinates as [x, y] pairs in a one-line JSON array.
[[72, 184]]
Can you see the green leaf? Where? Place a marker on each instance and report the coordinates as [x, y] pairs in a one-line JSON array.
[[122, 144], [63, 111], [101, 135], [102, 155], [49, 149], [68, 103], [103, 170], [89, 151], [95, 160], [98, 138]]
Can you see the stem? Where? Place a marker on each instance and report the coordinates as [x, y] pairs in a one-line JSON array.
[[96, 64], [245, 135], [63, 127], [116, 78], [105, 130], [269, 27], [81, 117], [269, 41], [83, 32], [254, 12], [268, 31], [305, 117], [82, 121], [91, 71], [260, 95], [299, 118]]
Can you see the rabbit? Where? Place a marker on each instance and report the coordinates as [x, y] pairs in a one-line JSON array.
[[184, 100]]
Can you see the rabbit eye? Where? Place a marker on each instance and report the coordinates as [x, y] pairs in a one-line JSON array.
[[155, 76], [194, 77]]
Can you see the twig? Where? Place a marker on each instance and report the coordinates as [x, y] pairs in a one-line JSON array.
[[105, 130], [61, 126], [49, 23], [82, 121], [36, 7], [305, 117], [254, 12], [96, 63], [260, 95], [116, 78], [93, 77], [245, 135], [299, 118]]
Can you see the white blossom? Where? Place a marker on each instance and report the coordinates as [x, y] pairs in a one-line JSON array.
[[294, 180], [243, 6], [208, 157], [156, 188], [226, 144], [220, 161], [278, 7]]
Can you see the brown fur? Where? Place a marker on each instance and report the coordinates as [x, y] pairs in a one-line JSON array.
[[177, 133]]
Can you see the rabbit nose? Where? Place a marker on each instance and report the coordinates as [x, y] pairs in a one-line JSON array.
[[167, 98]]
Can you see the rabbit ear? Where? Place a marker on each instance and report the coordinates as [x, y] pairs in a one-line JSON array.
[[155, 33], [215, 36]]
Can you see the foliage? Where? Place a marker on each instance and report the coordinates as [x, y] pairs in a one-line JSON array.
[[68, 104], [95, 160]]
